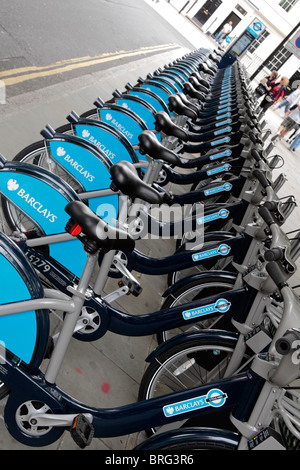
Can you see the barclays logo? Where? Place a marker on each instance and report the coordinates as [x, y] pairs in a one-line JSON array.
[[218, 189], [12, 185], [222, 214], [85, 133], [60, 152], [220, 306], [222, 249], [214, 398]]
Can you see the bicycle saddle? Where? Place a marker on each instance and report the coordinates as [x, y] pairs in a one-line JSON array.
[[126, 179], [203, 67], [176, 104], [150, 145], [188, 89], [96, 230], [195, 107], [197, 85], [164, 123], [201, 80]]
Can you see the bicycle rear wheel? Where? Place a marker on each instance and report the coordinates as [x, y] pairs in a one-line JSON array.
[[196, 289]]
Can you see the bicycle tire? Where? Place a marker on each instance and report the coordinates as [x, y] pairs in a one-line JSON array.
[[192, 290], [185, 365], [4, 390], [191, 446], [34, 154]]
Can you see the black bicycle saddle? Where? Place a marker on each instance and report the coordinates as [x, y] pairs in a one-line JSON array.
[[95, 229], [148, 144], [163, 123], [125, 178], [189, 90]]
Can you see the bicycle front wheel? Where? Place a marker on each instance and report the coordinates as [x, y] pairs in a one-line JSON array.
[[195, 362]]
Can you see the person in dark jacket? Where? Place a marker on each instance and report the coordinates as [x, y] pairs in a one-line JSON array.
[[266, 84]]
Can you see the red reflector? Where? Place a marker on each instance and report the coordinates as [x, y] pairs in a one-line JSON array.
[[75, 230]]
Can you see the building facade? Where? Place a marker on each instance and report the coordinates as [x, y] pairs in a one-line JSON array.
[[270, 50]]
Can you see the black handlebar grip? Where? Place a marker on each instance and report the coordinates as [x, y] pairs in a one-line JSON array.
[[275, 273], [255, 154], [275, 254], [284, 344], [261, 178], [266, 215]]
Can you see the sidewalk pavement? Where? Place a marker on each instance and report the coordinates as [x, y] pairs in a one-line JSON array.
[[107, 373]]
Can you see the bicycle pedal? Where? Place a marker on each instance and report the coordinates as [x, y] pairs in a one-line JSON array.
[[82, 431]]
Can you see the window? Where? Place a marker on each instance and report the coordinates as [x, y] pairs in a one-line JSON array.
[[258, 41], [278, 59], [241, 10], [287, 5]]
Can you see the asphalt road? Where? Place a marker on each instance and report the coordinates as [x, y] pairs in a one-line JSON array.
[[44, 42]]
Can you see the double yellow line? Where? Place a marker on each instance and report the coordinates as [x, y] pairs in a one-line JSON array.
[[23, 74]]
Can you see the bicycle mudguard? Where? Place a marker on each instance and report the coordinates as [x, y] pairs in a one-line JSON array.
[[177, 436], [42, 197], [158, 89], [105, 137], [89, 166], [167, 83], [23, 335], [192, 335], [154, 100], [138, 106], [222, 275], [126, 121]]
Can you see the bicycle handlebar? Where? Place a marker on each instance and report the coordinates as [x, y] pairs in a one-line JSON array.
[[275, 273], [266, 215], [275, 254], [261, 178], [285, 344]]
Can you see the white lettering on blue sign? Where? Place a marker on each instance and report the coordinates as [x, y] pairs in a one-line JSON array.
[[220, 306], [221, 141], [83, 171], [222, 214], [222, 131], [218, 189], [223, 123], [222, 249], [219, 169], [228, 110], [13, 185], [226, 153], [215, 398], [223, 116]]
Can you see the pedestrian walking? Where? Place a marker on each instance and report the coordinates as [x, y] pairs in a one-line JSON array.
[[290, 100], [295, 144], [277, 92], [292, 121]]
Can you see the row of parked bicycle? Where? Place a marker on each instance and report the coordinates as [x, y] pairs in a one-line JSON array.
[[223, 375]]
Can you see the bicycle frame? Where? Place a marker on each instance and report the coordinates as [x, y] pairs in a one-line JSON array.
[[243, 392], [131, 416]]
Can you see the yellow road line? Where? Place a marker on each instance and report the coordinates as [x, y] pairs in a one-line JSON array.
[[30, 73]]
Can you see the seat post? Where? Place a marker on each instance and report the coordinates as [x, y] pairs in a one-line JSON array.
[[76, 303]]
